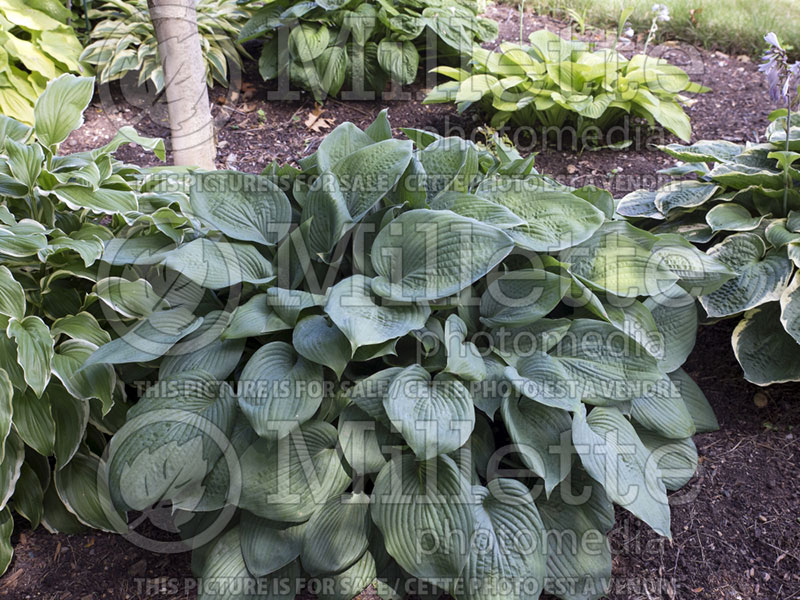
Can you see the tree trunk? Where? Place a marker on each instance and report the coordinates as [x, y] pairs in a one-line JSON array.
[[190, 121]]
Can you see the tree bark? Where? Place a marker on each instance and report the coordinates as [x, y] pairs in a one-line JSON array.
[[190, 121]]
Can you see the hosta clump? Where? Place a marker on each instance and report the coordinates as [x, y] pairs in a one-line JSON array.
[[56, 213], [381, 366], [555, 83], [324, 45], [124, 40], [743, 201]]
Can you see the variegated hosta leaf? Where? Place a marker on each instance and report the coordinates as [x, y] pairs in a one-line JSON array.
[[59, 110], [10, 467], [732, 217], [81, 380], [78, 486], [426, 255], [613, 455], [34, 350], [766, 352], [415, 500], [790, 308], [12, 296], [762, 276], [290, 479]]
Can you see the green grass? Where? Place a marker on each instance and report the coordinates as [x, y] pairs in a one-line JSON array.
[[732, 26]]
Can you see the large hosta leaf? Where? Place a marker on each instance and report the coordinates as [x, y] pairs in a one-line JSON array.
[[242, 206], [288, 480], [675, 315], [268, 545], [435, 416], [217, 265], [10, 467], [762, 276], [537, 431], [521, 297], [676, 458], [463, 357], [613, 455], [499, 559], [93, 381], [322, 342], [543, 379], [79, 485], [660, 408], [695, 401], [59, 110], [767, 353], [12, 296], [790, 308], [684, 194], [431, 499], [367, 319], [34, 350], [426, 255], [279, 390]]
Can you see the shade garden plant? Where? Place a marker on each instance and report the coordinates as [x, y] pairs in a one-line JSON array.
[[554, 83], [361, 45], [400, 364]]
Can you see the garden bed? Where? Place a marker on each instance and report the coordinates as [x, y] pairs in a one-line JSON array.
[[736, 525]]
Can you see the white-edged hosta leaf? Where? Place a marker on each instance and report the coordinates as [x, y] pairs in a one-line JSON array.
[[93, 381], [279, 390], [28, 495], [216, 265], [103, 200], [10, 467], [640, 204], [59, 109], [413, 500], [613, 455], [544, 379], [505, 514], [22, 239], [426, 255], [762, 275], [676, 458], [241, 205], [289, 479], [6, 410], [660, 408], [6, 529], [56, 518], [149, 339], [367, 319], [321, 342], [538, 432], [704, 151], [34, 350], [12, 296], [790, 308], [434, 416], [521, 297], [80, 326], [731, 217], [253, 318], [268, 545], [336, 535], [766, 352], [70, 415], [463, 357]]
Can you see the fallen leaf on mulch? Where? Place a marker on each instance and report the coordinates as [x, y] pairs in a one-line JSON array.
[[316, 122]]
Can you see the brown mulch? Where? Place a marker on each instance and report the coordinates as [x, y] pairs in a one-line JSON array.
[[736, 525]]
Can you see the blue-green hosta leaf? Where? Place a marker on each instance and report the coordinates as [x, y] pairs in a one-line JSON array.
[[59, 109], [339, 144], [731, 217], [489, 395], [399, 59], [268, 545], [78, 487], [539, 336], [740, 176], [12, 296], [34, 350], [450, 164], [103, 200], [321, 342], [149, 339], [307, 42], [242, 206], [606, 366], [289, 305], [478, 208], [131, 299], [660, 408], [636, 321], [363, 439], [93, 381], [290, 479], [640, 204], [683, 195], [413, 500], [577, 571], [6, 530], [617, 264], [704, 151], [543, 379], [766, 352], [463, 357], [676, 458], [435, 416], [698, 272], [139, 250], [695, 402], [205, 350], [279, 390], [10, 467], [554, 220], [613, 455], [255, 317], [352, 581], [173, 437], [521, 297], [217, 265], [336, 535], [790, 308], [762, 276], [366, 319], [370, 393], [675, 315], [538, 432], [427, 255], [498, 560]]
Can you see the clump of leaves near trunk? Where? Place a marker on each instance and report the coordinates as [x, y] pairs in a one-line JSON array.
[[56, 213], [555, 83], [325, 46], [398, 364], [124, 40]]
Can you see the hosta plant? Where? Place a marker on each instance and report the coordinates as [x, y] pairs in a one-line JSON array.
[[555, 83], [56, 213], [406, 362], [124, 41], [362, 44], [36, 46], [743, 202]]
